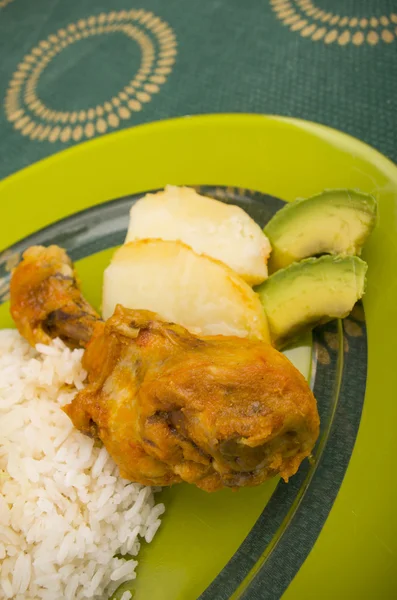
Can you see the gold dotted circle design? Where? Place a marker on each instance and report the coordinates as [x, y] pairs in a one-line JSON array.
[[312, 22], [38, 121]]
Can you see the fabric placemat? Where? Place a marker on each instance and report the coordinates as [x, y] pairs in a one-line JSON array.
[[71, 70]]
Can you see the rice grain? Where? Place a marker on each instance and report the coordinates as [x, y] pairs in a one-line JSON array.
[[66, 516]]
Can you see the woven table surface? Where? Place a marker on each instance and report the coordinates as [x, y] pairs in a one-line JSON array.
[[71, 70]]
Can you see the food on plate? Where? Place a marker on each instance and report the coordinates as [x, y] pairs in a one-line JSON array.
[[214, 411], [68, 522], [333, 222], [46, 300], [223, 231], [171, 406], [196, 291], [178, 384], [311, 292]]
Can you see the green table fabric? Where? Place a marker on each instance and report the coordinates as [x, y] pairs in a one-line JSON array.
[[71, 70]]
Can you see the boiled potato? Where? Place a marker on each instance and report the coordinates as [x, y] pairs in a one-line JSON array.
[[183, 287], [222, 231]]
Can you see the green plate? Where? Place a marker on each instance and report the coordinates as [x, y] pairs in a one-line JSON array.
[[259, 543]]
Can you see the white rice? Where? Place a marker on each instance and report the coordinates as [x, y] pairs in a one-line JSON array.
[[64, 511]]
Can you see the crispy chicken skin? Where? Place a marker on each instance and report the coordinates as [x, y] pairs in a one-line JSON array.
[[170, 406], [46, 301]]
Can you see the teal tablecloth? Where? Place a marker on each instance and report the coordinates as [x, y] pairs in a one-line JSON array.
[[74, 69]]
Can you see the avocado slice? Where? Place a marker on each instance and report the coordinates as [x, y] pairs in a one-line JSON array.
[[333, 222], [309, 293]]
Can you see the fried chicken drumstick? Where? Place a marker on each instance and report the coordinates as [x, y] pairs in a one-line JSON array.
[[170, 406], [46, 301]]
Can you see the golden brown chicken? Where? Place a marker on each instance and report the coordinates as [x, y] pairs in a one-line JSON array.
[[46, 301], [170, 406]]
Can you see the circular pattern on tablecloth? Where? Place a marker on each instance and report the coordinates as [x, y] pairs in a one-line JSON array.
[[33, 118], [311, 21]]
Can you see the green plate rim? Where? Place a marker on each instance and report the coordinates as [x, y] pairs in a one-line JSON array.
[[364, 514], [261, 554]]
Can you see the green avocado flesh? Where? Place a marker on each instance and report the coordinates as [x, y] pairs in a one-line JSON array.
[[311, 292], [333, 222]]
